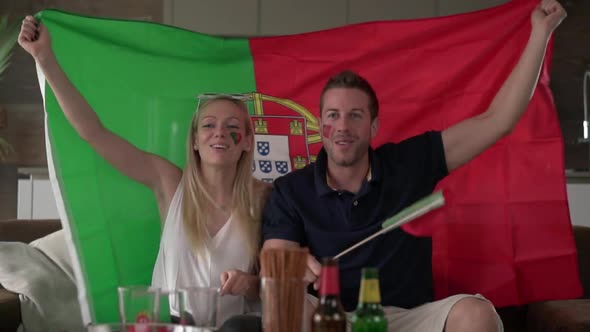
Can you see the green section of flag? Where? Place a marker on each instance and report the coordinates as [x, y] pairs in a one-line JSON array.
[[142, 79]]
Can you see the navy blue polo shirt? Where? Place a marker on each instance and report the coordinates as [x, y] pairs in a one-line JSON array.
[[304, 209]]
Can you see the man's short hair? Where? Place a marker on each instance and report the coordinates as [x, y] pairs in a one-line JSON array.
[[350, 79]]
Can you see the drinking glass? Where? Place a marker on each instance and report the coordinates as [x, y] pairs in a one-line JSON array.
[[202, 306], [138, 304]]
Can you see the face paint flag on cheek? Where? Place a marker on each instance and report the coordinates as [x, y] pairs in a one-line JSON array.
[[236, 137], [326, 131]]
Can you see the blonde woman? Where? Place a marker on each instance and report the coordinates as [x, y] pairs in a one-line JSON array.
[[211, 210]]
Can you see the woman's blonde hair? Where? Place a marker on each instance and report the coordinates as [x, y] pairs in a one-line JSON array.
[[247, 205]]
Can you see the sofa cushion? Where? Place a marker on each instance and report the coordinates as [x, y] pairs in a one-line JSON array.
[[54, 247], [48, 296], [559, 316]]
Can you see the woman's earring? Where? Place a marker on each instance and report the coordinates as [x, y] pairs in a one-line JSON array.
[[195, 147]]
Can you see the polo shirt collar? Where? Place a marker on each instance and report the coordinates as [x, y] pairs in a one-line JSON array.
[[321, 168]]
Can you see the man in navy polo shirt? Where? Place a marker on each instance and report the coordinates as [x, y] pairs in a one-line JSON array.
[[345, 195]]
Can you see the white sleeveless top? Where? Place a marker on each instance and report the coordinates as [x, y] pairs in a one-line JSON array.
[[176, 266]]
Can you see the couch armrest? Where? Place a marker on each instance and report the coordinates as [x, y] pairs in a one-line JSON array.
[[9, 310], [22, 230], [582, 236]]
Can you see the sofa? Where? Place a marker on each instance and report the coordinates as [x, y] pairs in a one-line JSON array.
[[557, 316], [548, 316]]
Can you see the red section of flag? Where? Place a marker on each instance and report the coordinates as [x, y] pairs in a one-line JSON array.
[[505, 231]]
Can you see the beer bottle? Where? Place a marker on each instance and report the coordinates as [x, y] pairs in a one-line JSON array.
[[369, 315], [329, 316]]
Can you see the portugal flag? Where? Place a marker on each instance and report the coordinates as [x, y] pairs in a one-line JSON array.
[[505, 231]]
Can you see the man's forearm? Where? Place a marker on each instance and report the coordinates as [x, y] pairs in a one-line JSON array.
[[513, 97]]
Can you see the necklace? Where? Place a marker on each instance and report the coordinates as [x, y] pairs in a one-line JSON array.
[[222, 207]]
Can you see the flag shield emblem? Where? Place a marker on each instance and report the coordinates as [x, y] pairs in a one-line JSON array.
[[285, 135]]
